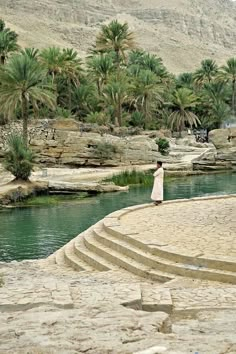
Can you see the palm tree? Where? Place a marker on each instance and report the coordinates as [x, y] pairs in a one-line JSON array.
[[182, 102], [215, 91], [71, 69], [147, 90], [32, 53], [84, 99], [2, 25], [8, 44], [18, 158], [185, 80], [3, 28], [23, 82], [136, 57], [217, 113], [115, 94], [53, 59], [115, 37], [148, 61], [101, 67], [229, 75], [207, 72], [214, 108]]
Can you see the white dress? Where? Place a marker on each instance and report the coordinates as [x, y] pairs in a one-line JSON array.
[[157, 191]]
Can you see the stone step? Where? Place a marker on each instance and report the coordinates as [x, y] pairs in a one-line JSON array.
[[156, 262], [60, 258], [155, 298], [226, 265], [124, 261], [73, 261], [85, 254], [51, 259]]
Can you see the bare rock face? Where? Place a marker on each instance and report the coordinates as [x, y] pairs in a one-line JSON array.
[[225, 143], [66, 143], [182, 32]]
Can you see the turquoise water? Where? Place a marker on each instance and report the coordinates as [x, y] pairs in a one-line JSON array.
[[36, 232]]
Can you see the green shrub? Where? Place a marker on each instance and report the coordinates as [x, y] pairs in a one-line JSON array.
[[137, 119], [18, 158], [133, 177], [105, 151], [163, 145], [63, 113], [99, 118]]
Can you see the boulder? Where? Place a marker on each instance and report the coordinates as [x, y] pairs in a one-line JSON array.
[[219, 137], [225, 142]]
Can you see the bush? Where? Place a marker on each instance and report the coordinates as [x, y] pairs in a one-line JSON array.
[[105, 151], [163, 145], [18, 158], [137, 119], [99, 118], [62, 113]]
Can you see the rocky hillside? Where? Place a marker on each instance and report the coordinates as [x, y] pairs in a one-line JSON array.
[[183, 32]]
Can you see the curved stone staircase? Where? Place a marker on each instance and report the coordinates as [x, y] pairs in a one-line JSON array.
[[106, 246]]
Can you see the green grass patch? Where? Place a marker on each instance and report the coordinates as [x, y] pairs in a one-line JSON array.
[[52, 199], [128, 178], [135, 178]]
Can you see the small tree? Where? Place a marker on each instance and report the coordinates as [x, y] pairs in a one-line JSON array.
[[18, 158], [163, 145]]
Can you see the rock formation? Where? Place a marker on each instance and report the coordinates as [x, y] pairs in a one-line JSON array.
[[66, 143], [224, 154]]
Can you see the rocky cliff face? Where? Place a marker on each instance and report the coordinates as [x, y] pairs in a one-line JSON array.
[[183, 32]]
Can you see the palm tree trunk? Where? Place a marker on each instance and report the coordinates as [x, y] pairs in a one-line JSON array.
[[56, 88], [25, 120], [69, 95], [99, 87], [2, 59], [233, 96], [145, 112], [119, 112], [117, 59]]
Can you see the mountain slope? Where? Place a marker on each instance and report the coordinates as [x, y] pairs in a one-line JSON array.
[[182, 32]]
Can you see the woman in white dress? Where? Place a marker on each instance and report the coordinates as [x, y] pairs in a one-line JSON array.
[[157, 191]]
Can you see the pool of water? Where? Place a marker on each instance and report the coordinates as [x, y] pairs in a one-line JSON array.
[[36, 232]]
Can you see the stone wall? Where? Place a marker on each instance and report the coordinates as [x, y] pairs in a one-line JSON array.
[[66, 142]]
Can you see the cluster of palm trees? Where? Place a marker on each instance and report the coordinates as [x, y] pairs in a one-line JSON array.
[[117, 83]]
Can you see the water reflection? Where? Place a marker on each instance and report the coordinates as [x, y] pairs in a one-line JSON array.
[[27, 233]]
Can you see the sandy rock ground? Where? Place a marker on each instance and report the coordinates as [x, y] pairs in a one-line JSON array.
[[46, 310]]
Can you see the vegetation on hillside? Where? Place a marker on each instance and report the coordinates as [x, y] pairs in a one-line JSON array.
[[116, 84]]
